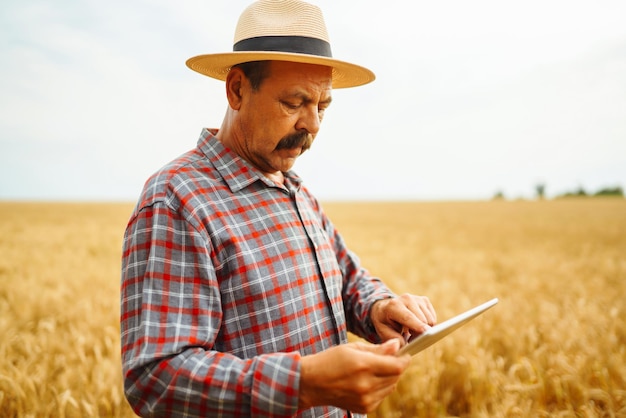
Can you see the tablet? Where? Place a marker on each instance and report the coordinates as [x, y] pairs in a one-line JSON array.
[[437, 332]]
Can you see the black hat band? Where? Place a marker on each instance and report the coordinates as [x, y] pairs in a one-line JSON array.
[[291, 44]]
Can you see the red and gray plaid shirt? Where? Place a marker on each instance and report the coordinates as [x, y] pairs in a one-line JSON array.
[[227, 279]]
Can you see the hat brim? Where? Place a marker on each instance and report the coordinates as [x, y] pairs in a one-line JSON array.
[[217, 66]]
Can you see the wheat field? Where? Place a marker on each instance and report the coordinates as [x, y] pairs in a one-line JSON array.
[[555, 345]]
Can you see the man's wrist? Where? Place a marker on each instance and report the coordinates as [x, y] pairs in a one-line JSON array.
[[373, 313], [306, 395]]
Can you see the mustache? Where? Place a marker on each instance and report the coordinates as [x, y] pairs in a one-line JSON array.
[[300, 139]]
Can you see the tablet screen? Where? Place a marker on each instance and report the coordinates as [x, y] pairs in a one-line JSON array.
[[437, 332]]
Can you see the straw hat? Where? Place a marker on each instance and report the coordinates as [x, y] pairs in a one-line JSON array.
[[282, 30]]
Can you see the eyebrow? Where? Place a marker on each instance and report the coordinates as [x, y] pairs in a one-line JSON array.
[[307, 99]]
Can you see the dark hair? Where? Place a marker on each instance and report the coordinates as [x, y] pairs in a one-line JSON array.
[[255, 71]]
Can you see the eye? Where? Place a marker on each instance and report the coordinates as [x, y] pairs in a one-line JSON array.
[[322, 108], [291, 105]]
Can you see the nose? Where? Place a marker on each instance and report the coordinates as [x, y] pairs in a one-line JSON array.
[[310, 120]]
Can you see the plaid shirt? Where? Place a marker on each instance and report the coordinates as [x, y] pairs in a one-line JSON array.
[[227, 279]]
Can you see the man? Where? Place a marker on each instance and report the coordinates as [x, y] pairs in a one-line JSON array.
[[237, 290]]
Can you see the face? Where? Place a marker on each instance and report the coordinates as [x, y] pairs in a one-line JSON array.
[[278, 122]]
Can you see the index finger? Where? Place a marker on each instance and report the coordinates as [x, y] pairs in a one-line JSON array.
[[421, 307]]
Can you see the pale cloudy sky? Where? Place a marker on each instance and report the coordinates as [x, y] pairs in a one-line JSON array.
[[471, 96]]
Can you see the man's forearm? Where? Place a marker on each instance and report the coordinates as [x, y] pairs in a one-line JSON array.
[[208, 383]]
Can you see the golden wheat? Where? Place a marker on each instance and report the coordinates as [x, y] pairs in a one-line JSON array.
[[59, 310], [554, 346]]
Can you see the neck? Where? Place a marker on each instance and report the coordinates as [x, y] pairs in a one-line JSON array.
[[277, 177], [226, 135]]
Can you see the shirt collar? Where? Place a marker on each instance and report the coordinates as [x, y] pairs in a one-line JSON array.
[[236, 172]]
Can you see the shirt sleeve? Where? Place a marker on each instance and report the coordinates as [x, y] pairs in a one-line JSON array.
[[170, 318], [360, 289]]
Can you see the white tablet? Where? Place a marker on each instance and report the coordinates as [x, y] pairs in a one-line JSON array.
[[437, 332]]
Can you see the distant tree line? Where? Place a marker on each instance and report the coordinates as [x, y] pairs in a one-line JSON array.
[[540, 192], [606, 191]]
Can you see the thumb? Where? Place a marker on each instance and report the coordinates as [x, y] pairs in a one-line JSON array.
[[389, 347]]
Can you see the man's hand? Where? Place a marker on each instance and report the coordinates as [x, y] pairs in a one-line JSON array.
[[401, 317], [355, 376]]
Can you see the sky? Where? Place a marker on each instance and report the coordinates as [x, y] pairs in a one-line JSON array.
[[471, 97]]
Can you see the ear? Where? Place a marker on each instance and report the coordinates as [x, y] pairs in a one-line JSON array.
[[234, 87]]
